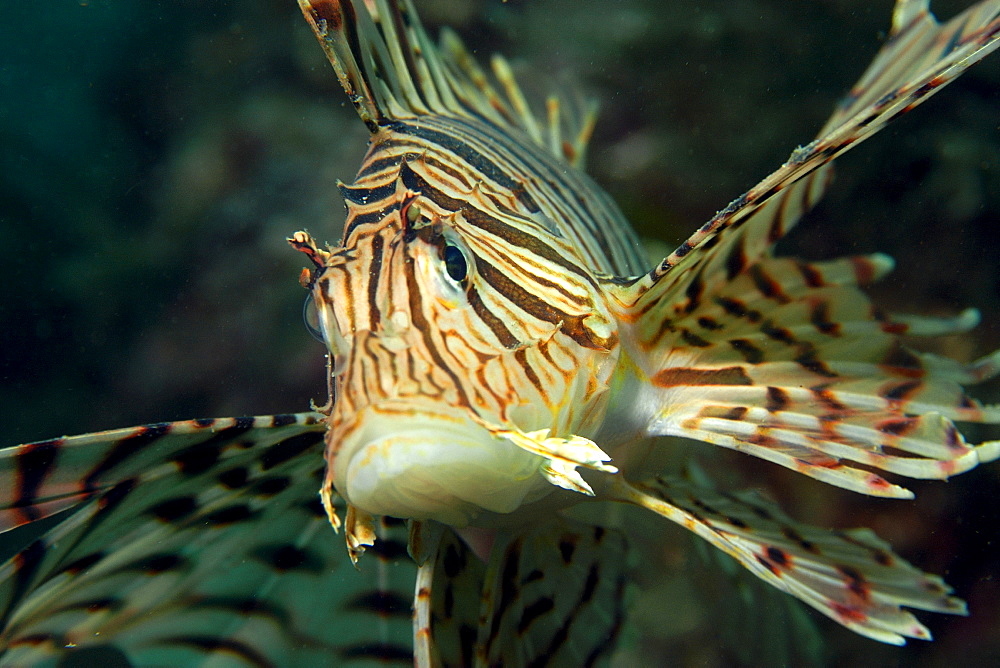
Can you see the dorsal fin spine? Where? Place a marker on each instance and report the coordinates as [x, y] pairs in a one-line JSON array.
[[391, 70]]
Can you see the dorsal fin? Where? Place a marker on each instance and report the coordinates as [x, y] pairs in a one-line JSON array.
[[391, 69]]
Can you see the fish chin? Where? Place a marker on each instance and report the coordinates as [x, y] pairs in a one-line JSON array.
[[431, 466]]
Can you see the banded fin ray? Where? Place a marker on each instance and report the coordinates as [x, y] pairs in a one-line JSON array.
[[223, 559], [391, 69], [788, 360], [850, 575], [919, 59], [447, 599], [808, 375], [553, 595], [50, 476]]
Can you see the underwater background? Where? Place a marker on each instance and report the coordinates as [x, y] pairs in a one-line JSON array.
[[155, 155]]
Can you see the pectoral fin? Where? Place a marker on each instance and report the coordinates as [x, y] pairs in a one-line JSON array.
[[850, 576]]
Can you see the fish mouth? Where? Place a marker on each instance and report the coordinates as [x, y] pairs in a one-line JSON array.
[[432, 464]]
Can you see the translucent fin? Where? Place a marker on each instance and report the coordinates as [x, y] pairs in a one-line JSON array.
[[553, 596], [391, 69], [760, 624], [851, 576], [46, 477], [194, 543], [446, 606], [919, 59], [789, 362]]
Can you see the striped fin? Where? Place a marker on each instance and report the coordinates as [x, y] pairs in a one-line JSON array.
[[392, 70], [446, 605], [919, 59], [850, 576], [918, 50], [552, 596], [759, 624], [50, 476], [790, 363], [787, 360], [197, 543], [566, 132]]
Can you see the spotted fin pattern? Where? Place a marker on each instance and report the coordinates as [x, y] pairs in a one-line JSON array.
[[791, 363], [920, 58], [194, 543], [788, 360], [850, 575]]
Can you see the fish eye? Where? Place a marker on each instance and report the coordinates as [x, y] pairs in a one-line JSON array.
[[310, 316], [455, 263]]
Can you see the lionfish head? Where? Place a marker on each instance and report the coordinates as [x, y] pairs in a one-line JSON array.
[[453, 354]]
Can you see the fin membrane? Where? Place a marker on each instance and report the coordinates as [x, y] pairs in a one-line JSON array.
[[850, 576], [789, 362], [194, 543], [391, 69]]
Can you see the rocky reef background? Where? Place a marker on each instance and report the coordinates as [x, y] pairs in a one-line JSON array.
[[155, 155]]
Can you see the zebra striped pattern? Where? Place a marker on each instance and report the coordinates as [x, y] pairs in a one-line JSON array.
[[482, 292], [491, 329], [193, 542], [486, 296]]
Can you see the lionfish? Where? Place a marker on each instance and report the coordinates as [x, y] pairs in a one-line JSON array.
[[499, 353]]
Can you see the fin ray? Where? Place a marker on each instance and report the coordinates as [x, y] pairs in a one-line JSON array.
[[553, 594], [901, 77], [850, 576], [227, 555], [391, 69], [789, 362]]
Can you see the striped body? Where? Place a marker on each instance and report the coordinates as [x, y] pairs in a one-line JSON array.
[[523, 340], [493, 331], [518, 177], [499, 352]]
